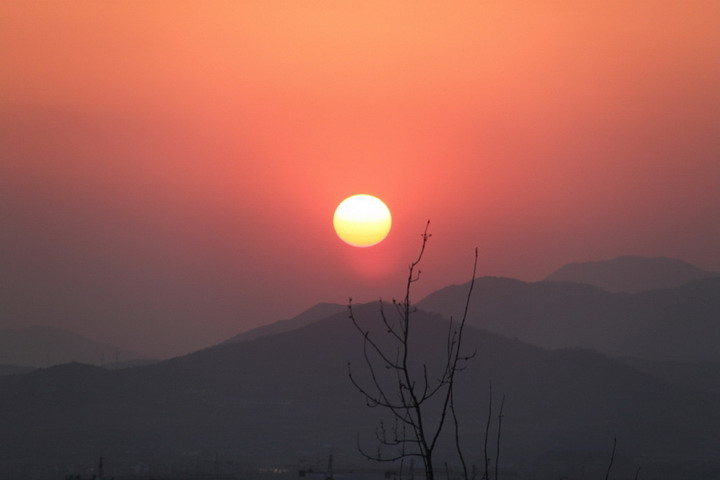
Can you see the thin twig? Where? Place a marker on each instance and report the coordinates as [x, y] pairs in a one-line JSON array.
[[457, 435], [497, 450], [454, 368], [612, 457], [487, 433]]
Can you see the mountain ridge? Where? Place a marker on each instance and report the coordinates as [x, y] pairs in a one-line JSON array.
[[677, 323], [42, 345], [631, 273], [316, 312]]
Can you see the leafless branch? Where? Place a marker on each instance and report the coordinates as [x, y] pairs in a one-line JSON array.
[[499, 433], [612, 458], [487, 433], [458, 447], [412, 435]]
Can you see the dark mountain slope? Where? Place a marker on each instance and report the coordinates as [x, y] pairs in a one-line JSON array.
[[14, 370], [701, 376], [287, 396], [681, 324], [631, 274], [312, 314]]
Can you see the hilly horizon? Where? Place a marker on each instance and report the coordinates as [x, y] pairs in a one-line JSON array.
[[44, 346], [676, 273], [312, 314], [280, 397], [562, 308], [678, 323], [631, 273], [38, 346]]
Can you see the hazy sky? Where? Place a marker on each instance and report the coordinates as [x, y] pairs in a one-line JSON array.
[[169, 170]]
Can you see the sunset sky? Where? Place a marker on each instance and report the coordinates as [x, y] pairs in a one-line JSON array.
[[169, 170]]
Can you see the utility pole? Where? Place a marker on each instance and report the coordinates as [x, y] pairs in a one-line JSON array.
[[329, 473]]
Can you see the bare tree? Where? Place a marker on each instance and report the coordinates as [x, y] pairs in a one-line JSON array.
[[418, 405]]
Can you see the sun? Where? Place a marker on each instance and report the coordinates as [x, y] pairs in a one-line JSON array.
[[362, 220]]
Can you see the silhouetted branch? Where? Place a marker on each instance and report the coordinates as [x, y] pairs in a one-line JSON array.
[[406, 395], [499, 433], [487, 433], [457, 436], [453, 368], [612, 457]]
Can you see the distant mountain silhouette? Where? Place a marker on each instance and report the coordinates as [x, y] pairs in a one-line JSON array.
[[680, 324], [284, 397], [14, 370], [312, 314], [138, 362], [631, 274], [42, 346], [701, 376]]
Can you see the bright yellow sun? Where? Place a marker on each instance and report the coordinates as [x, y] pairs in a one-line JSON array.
[[362, 220]]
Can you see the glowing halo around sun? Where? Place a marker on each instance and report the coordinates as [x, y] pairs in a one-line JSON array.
[[362, 220]]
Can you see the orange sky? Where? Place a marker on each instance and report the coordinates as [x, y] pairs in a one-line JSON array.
[[169, 170]]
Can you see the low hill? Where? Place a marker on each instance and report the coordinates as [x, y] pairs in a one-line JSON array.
[[272, 401], [631, 274], [43, 346]]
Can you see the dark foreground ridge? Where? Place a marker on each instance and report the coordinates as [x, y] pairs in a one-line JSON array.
[[284, 399]]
